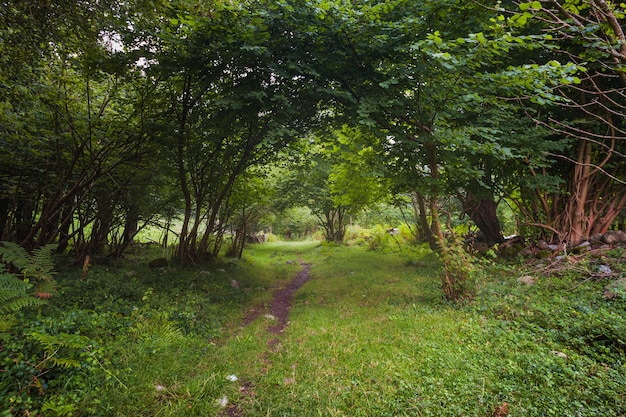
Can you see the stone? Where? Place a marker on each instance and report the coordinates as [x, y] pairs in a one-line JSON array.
[[481, 247], [158, 263], [582, 248], [527, 279], [527, 252], [543, 254], [614, 236], [596, 237]]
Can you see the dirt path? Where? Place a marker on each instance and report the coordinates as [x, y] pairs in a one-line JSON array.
[[278, 308]]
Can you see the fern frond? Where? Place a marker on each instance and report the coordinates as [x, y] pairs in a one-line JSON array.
[[17, 304], [14, 295], [12, 253], [40, 264], [62, 349], [157, 330], [11, 282], [38, 268], [65, 362]]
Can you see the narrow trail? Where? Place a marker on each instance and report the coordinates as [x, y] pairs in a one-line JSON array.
[[278, 308]]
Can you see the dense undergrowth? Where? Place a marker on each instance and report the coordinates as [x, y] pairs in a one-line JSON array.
[[369, 335]]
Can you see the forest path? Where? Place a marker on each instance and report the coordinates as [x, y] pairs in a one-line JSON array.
[[279, 309]]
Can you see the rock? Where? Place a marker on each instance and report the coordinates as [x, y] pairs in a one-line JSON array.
[[543, 254], [510, 251], [582, 248], [158, 263], [615, 288], [605, 269], [527, 279], [596, 237], [560, 354], [527, 252], [614, 236]]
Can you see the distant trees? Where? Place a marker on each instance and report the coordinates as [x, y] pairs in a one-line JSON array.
[[336, 177]]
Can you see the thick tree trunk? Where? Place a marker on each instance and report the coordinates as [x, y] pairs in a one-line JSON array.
[[483, 213]]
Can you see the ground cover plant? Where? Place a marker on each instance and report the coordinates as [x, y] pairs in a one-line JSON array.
[[369, 333]]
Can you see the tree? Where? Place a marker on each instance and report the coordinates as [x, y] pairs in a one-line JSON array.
[[73, 116], [589, 116]]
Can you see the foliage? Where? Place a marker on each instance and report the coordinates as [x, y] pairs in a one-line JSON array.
[[458, 276], [18, 292], [295, 222]]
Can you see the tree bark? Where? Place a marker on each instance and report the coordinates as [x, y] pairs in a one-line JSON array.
[[483, 213]]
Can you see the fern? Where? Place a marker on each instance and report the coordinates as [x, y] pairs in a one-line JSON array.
[[41, 265], [38, 266], [157, 330], [17, 294], [62, 350], [14, 297], [14, 254]]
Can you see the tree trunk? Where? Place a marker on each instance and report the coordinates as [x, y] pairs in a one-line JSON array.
[[483, 213], [183, 243], [426, 232]]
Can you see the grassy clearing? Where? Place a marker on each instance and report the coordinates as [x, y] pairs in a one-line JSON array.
[[369, 335]]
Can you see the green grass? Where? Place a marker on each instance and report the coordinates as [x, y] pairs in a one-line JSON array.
[[369, 335]]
